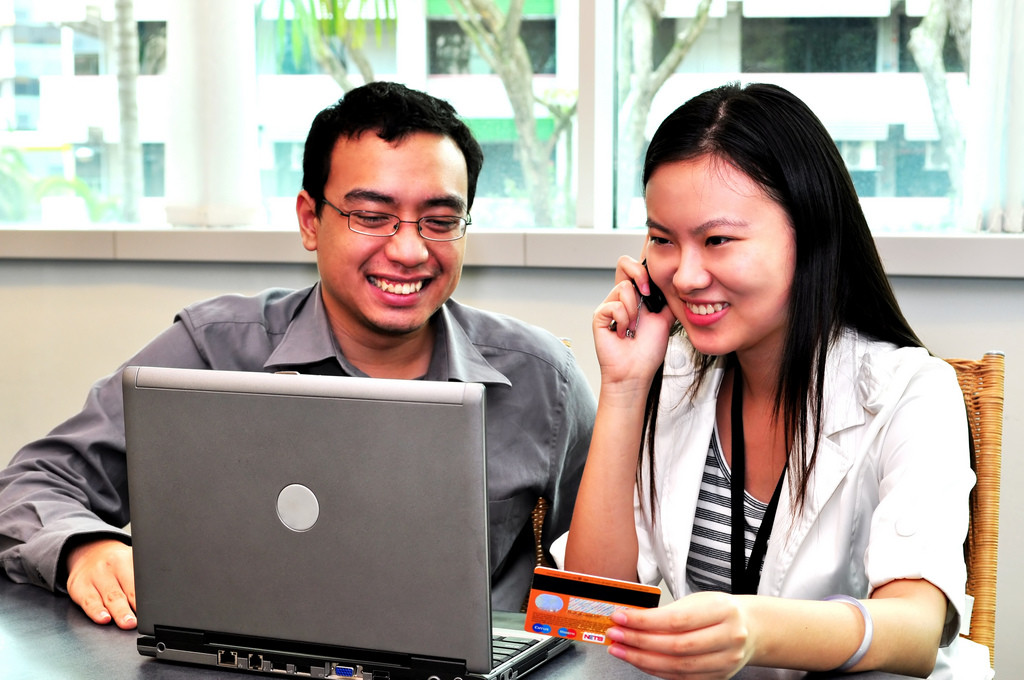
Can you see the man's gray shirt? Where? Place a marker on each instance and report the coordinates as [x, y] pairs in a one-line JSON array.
[[71, 485]]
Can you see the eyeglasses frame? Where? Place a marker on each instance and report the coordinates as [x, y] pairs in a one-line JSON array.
[[467, 220]]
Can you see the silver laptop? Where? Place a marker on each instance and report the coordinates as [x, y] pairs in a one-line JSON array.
[[315, 526]]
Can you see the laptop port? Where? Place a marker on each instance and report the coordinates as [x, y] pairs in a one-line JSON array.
[[227, 658], [256, 662], [345, 671]]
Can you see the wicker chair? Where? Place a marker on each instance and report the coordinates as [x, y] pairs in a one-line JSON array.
[[540, 510], [982, 383]]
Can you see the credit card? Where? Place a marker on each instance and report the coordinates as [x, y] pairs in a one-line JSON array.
[[579, 606]]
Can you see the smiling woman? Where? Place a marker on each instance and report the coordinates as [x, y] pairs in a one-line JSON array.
[[709, 222], [759, 442]]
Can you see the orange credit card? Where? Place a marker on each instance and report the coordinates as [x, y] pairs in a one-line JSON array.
[[579, 606]]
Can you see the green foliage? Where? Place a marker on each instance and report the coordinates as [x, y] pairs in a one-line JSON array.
[[317, 22], [21, 192], [15, 186], [96, 206]]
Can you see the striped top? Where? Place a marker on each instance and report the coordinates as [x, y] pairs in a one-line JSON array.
[[709, 565]]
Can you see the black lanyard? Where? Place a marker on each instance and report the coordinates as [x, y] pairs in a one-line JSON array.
[[746, 575]]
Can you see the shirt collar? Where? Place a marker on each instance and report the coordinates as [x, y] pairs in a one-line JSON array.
[[465, 363], [309, 341]]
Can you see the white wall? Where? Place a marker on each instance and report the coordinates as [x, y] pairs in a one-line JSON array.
[[65, 323]]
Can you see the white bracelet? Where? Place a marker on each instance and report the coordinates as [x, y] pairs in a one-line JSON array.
[[869, 631]]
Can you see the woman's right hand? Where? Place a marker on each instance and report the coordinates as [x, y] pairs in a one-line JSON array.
[[630, 345], [630, 340]]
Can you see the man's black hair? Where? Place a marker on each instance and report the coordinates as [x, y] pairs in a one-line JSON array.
[[393, 112]]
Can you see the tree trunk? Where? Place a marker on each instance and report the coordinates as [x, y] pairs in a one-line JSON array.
[[926, 44], [639, 82], [959, 13], [496, 36], [127, 80]]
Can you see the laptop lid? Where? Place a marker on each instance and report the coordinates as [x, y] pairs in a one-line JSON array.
[[318, 510]]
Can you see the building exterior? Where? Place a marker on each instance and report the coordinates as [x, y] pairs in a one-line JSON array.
[[59, 104]]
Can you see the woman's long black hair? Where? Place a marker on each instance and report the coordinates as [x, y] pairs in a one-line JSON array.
[[770, 135]]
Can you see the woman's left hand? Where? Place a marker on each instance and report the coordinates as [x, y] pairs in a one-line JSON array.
[[703, 635]]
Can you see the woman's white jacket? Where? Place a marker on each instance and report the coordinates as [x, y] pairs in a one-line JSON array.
[[887, 498]]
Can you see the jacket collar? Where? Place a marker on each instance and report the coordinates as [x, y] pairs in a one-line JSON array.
[[851, 382]]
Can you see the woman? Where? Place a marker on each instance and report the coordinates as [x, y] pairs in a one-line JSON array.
[[783, 368]]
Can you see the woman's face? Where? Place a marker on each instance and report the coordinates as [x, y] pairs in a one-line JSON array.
[[724, 253]]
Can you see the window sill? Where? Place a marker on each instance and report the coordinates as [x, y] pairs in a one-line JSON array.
[[961, 255]]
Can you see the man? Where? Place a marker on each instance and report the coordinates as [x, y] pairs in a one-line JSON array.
[[389, 176]]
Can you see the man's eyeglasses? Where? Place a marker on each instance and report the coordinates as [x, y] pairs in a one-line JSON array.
[[431, 227]]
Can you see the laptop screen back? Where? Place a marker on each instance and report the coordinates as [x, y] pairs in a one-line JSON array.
[[334, 510]]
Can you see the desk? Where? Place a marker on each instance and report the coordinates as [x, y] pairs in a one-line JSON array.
[[47, 636]]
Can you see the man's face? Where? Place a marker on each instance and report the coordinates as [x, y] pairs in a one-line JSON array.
[[379, 290]]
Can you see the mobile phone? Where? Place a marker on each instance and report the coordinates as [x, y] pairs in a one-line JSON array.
[[654, 302]]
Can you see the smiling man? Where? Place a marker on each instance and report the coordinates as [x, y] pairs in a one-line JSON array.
[[389, 245], [389, 177]]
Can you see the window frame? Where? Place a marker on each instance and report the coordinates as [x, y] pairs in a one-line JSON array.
[[990, 256], [592, 244]]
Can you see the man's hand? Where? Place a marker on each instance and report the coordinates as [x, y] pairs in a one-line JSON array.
[[101, 580]]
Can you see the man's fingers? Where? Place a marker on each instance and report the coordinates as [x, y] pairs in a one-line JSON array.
[[101, 581], [112, 605], [117, 605], [92, 605]]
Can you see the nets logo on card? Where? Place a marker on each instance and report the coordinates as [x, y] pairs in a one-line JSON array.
[[592, 637]]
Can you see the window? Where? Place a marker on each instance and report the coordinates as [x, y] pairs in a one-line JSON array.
[[26, 87], [808, 45], [951, 56], [451, 51], [528, 173], [88, 49], [851, 61], [152, 169]]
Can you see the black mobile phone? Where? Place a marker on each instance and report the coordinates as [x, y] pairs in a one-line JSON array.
[[654, 302]]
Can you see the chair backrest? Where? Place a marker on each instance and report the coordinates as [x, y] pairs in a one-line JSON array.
[[982, 383], [540, 511]]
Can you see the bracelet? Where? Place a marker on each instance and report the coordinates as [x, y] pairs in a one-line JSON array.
[[869, 631]]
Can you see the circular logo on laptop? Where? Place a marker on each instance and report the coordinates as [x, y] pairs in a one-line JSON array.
[[297, 507]]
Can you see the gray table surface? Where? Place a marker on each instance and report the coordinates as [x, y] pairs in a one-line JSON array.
[[47, 636]]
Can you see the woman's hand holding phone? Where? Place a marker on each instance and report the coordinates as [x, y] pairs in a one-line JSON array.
[[630, 349], [655, 301]]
